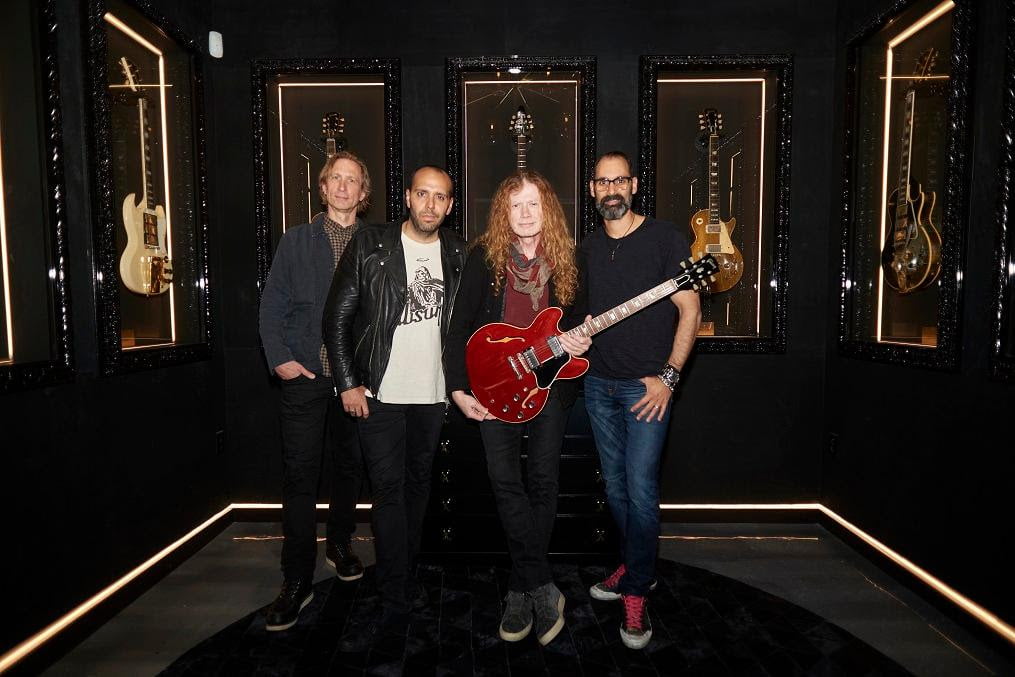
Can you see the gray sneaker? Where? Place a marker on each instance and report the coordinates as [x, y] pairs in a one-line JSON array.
[[548, 603], [517, 619]]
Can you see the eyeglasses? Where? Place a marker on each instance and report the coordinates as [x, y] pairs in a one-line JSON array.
[[620, 182]]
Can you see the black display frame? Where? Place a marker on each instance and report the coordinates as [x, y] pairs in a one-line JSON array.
[[782, 66], [60, 368], [945, 355], [261, 71], [113, 359], [455, 69], [1002, 356]]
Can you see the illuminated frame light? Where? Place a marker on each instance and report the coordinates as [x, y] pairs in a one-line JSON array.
[[579, 181], [922, 23], [281, 125], [136, 37], [761, 174], [9, 659], [5, 271]]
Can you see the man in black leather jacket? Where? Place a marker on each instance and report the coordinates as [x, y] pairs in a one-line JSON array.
[[385, 324]]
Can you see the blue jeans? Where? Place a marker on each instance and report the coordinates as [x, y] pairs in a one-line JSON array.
[[629, 452]]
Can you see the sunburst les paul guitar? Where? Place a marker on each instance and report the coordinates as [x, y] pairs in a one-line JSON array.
[[712, 234], [911, 257], [144, 264], [521, 131], [511, 369]]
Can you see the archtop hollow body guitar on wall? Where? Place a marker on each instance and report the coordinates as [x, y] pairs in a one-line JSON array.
[[511, 369], [711, 234], [911, 256], [144, 264]]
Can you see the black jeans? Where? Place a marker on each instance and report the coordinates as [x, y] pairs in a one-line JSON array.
[[312, 418], [399, 442], [527, 516]]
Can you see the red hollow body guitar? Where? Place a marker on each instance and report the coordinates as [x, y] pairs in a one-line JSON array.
[[511, 369]]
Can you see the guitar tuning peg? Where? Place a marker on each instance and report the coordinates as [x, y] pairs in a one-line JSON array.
[[683, 264], [712, 277]]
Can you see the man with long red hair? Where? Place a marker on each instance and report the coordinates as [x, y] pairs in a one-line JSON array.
[[523, 263]]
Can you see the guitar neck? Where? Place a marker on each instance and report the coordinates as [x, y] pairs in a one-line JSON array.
[[713, 179], [521, 148], [901, 202], [330, 148], [146, 154], [614, 315]]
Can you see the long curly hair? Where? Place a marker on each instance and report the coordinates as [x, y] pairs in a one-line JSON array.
[[556, 240]]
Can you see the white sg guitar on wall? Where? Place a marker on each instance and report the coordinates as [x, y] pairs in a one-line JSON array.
[[144, 265]]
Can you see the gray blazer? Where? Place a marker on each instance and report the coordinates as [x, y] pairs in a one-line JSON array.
[[292, 304]]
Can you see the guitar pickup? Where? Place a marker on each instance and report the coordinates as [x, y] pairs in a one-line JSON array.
[[529, 359]]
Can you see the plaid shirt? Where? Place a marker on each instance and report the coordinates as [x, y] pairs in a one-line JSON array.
[[338, 238]]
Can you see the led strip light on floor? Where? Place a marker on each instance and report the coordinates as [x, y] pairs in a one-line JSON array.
[[9, 659]]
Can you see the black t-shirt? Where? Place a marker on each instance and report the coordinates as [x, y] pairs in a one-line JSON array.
[[640, 344]]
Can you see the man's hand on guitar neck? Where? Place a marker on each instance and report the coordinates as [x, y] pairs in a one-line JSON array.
[[576, 346], [291, 369], [470, 406]]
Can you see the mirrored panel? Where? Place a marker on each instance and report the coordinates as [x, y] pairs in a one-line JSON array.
[[520, 113], [715, 160], [34, 307], [905, 184], [307, 110], [1003, 349], [150, 182]]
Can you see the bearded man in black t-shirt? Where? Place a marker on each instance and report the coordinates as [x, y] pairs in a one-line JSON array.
[[634, 368]]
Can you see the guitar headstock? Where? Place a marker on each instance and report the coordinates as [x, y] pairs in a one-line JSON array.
[[697, 273], [333, 129], [710, 120], [521, 124]]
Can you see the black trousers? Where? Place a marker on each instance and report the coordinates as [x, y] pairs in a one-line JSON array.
[[527, 515], [399, 442], [312, 419]]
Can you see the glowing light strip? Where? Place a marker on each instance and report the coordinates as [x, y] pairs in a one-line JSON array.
[[934, 14], [761, 175], [967, 605], [36, 640], [278, 506], [9, 357], [281, 138], [987, 618], [132, 34], [579, 182]]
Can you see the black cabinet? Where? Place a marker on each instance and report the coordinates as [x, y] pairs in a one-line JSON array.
[[462, 515]]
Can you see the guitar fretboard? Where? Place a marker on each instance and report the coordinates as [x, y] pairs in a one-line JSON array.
[[630, 307], [146, 154], [521, 148], [902, 199], [713, 179]]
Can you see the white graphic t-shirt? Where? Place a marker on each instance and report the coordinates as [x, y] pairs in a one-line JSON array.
[[415, 374]]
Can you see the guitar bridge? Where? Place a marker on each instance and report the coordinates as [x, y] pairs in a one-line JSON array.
[[514, 367]]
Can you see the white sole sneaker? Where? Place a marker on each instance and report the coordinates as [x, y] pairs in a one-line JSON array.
[[635, 641], [550, 634], [277, 628], [340, 576], [604, 595], [514, 636]]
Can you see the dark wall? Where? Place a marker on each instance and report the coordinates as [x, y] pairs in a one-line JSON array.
[[748, 427], [101, 473], [922, 461]]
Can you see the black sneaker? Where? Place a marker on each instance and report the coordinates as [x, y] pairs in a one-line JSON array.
[[548, 607], [636, 629], [517, 620], [383, 625], [344, 561], [284, 611]]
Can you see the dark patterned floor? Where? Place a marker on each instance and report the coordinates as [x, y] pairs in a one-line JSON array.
[[703, 624]]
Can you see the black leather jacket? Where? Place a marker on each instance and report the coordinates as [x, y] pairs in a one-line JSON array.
[[368, 294]]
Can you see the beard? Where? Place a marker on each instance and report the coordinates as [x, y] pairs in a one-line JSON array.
[[422, 226], [614, 212]]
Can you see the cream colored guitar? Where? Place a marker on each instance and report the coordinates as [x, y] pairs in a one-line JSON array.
[[144, 264]]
